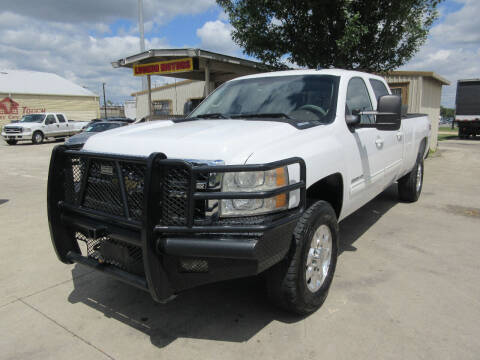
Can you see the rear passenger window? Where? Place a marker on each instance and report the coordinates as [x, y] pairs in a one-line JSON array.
[[379, 88], [60, 118], [359, 100]]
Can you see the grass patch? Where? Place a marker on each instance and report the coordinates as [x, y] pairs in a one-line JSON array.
[[442, 137], [448, 129]]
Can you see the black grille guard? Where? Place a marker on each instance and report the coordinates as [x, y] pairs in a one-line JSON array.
[[61, 213]]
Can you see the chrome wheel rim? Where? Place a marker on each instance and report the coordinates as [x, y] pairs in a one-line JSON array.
[[319, 258], [419, 177], [38, 137]]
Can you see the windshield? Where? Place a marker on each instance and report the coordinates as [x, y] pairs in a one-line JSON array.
[[99, 127], [296, 97], [33, 118]]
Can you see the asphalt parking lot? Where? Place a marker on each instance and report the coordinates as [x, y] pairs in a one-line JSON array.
[[407, 284]]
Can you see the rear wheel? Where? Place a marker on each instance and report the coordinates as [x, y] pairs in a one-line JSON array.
[[11, 142], [37, 137], [301, 281], [410, 186]]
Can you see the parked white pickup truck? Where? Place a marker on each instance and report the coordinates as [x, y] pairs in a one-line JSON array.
[[254, 180], [37, 127]]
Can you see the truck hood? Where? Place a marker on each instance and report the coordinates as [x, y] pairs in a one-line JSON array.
[[79, 138], [232, 141], [23, 125]]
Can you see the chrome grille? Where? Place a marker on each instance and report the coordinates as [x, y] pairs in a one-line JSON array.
[[12, 130]]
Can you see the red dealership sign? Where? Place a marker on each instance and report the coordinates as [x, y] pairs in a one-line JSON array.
[[11, 110], [163, 67]]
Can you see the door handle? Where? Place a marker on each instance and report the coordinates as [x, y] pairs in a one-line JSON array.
[[58, 125], [379, 142], [399, 136]]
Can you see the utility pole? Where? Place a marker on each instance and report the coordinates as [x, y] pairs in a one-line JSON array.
[[104, 101], [142, 37]]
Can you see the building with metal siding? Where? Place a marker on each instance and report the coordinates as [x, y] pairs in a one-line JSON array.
[[32, 91], [421, 92], [169, 99]]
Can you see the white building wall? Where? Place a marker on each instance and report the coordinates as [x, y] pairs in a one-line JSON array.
[[432, 94], [130, 109], [178, 95], [84, 108]]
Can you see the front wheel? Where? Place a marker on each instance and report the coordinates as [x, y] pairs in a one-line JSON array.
[[37, 137], [301, 281], [410, 186]]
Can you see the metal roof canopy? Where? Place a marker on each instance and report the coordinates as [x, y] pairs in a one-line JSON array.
[[222, 67], [212, 67]]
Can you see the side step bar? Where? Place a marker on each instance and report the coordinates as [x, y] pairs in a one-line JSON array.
[[112, 271]]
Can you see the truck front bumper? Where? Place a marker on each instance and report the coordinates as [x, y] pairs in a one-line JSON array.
[[152, 251], [17, 136]]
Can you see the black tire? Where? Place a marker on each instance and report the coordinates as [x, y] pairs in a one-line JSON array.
[[287, 282], [408, 189], [11, 142], [37, 137]]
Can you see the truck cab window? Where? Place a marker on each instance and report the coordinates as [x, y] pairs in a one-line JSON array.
[[358, 100], [379, 88], [50, 120], [60, 118]]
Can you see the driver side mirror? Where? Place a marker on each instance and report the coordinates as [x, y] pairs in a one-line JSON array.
[[389, 112]]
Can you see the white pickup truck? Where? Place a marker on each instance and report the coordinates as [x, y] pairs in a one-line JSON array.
[[38, 127], [254, 180]]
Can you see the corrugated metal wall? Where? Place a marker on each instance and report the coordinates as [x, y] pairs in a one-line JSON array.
[[178, 96], [432, 94], [75, 107], [414, 90]]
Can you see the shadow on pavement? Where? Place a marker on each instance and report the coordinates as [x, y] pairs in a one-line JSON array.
[[360, 221], [228, 311]]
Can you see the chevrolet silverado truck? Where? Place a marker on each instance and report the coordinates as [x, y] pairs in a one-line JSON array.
[[254, 180], [38, 127]]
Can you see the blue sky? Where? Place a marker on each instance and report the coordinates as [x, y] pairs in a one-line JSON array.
[[79, 39]]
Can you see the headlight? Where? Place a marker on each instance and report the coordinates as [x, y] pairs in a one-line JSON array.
[[26, 130], [250, 181]]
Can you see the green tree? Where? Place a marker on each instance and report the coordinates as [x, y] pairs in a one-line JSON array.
[[447, 112], [372, 35]]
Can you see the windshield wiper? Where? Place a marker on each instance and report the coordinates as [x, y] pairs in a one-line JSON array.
[[261, 115], [211, 116]]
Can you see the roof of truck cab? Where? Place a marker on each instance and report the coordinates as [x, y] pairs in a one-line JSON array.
[[334, 72]]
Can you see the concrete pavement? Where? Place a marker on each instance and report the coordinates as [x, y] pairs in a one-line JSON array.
[[407, 284]]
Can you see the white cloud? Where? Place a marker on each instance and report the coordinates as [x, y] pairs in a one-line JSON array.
[[72, 53], [74, 38], [216, 36], [95, 11], [461, 26], [452, 49], [223, 16]]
